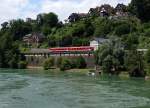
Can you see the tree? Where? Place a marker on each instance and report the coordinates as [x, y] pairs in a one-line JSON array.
[[46, 30], [108, 65], [50, 19], [80, 41], [134, 62], [10, 54], [102, 27], [73, 17], [131, 41], [111, 57], [94, 12], [141, 9], [40, 19], [46, 22], [122, 29], [4, 25], [19, 28]]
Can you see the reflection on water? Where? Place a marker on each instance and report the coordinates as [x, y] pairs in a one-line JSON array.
[[35, 89]]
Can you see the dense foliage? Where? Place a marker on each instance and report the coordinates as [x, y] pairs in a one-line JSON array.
[[48, 63], [134, 62], [78, 62], [66, 64], [111, 57], [128, 25], [141, 9]]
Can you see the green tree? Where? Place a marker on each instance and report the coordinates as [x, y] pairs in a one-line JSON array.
[[131, 42], [122, 29], [141, 9], [102, 27], [134, 62], [108, 65], [9, 56], [50, 19], [110, 57], [73, 17], [46, 22], [19, 28]]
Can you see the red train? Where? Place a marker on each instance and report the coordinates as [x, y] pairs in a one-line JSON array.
[[72, 49]]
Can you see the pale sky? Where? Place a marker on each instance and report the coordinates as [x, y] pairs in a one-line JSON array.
[[13, 9]]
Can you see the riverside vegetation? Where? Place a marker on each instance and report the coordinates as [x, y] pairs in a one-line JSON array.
[[65, 63], [126, 34]]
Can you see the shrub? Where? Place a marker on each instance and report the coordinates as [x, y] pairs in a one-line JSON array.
[[65, 64], [80, 62], [107, 64], [59, 61], [73, 63], [48, 63], [22, 65], [137, 72]]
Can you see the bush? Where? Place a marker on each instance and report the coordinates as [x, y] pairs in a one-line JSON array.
[[107, 65], [48, 63], [73, 63], [59, 61], [122, 29], [22, 65], [137, 72], [65, 64], [80, 62]]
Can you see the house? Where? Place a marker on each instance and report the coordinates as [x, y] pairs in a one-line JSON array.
[[121, 10], [103, 13], [30, 20], [83, 16], [33, 38], [96, 42]]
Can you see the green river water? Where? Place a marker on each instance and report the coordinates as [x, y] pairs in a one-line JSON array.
[[44, 89]]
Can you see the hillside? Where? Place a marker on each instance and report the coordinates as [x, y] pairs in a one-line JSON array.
[[128, 24]]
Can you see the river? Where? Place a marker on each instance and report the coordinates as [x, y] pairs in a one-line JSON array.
[[45, 89]]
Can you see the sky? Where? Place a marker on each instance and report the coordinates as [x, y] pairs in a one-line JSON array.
[[14, 9]]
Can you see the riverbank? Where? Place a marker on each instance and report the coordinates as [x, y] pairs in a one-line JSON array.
[[57, 69], [123, 75], [34, 67]]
